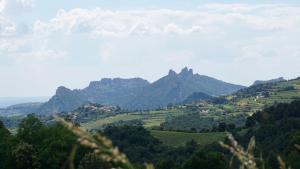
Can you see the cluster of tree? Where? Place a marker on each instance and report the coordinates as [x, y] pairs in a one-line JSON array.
[[37, 146], [277, 130], [218, 100], [193, 122], [222, 127], [140, 147], [254, 90], [11, 122], [135, 122], [288, 88]]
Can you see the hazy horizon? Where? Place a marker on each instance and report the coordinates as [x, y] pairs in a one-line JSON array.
[[44, 98], [44, 45], [9, 101]]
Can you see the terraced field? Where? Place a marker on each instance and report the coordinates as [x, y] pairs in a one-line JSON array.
[[149, 118], [176, 139], [236, 107], [278, 93]]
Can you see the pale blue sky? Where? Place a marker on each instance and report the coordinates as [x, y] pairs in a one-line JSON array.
[[45, 44]]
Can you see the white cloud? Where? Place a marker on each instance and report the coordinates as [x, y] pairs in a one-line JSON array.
[[2, 4], [259, 41], [208, 20], [39, 55], [269, 48], [16, 7], [7, 27], [24, 50], [26, 3], [11, 45], [178, 59], [100, 22], [28, 48]]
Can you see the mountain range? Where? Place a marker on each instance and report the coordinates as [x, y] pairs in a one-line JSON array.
[[137, 93]]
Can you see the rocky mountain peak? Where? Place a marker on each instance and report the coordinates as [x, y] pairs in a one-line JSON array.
[[172, 73], [62, 90], [186, 72]]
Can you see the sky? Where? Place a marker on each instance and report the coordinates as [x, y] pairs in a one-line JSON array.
[[46, 44]]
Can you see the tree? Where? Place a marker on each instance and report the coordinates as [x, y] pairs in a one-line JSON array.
[[250, 121], [31, 130], [231, 127], [222, 127], [25, 156], [55, 148], [205, 160], [52, 144], [166, 163], [136, 142], [4, 132], [90, 161], [6, 144]]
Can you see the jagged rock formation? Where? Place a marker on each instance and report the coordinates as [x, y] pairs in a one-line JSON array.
[[175, 88], [136, 93]]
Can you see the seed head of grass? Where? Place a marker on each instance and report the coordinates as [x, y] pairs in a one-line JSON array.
[[245, 157], [100, 145]]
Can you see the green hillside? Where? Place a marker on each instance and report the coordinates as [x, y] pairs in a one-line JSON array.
[[175, 139], [257, 97], [201, 115], [234, 108]]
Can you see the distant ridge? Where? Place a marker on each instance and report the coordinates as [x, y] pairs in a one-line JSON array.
[[10, 101], [257, 82], [20, 109], [137, 93]]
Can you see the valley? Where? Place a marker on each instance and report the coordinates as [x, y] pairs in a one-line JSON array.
[[177, 131], [204, 115], [140, 84]]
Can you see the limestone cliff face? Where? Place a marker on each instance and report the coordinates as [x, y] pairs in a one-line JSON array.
[[106, 91], [175, 88], [138, 93]]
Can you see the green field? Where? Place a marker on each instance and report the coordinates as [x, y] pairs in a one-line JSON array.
[[149, 118], [175, 139]]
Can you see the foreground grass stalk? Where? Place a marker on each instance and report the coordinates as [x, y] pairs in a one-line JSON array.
[[245, 157], [297, 146], [282, 164], [100, 145]]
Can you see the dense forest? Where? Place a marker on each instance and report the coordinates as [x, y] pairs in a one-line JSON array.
[[36, 145]]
